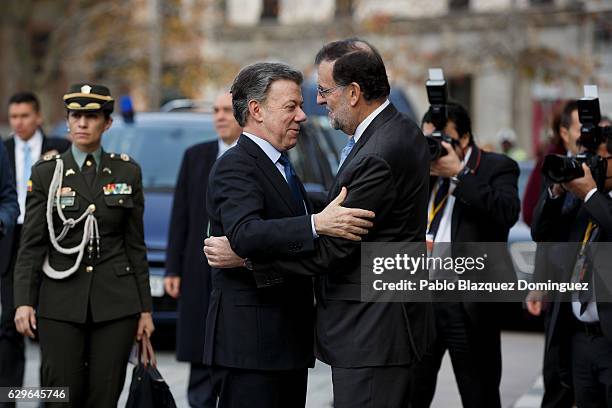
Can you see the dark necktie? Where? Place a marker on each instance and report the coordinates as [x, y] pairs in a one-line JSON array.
[[292, 180], [439, 203], [89, 170]]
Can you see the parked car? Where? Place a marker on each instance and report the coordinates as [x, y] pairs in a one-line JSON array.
[[157, 141]]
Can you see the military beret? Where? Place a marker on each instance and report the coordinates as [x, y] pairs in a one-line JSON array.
[[89, 98]]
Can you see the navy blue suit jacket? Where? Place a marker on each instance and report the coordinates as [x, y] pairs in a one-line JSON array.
[[9, 209]]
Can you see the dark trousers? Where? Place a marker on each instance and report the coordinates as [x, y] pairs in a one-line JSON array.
[[89, 358], [372, 387], [475, 354], [592, 370], [12, 354], [200, 391], [556, 372], [238, 388]]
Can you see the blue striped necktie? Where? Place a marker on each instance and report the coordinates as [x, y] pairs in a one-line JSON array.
[[346, 150]]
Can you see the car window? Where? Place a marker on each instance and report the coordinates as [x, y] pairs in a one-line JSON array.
[[157, 148]]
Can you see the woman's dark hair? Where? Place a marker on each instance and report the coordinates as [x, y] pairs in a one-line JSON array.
[[357, 61]]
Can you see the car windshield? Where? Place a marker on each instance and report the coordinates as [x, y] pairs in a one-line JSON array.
[[158, 148]]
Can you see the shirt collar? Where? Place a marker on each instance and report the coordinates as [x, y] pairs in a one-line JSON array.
[[36, 139], [366, 122], [266, 146], [224, 147], [79, 156]]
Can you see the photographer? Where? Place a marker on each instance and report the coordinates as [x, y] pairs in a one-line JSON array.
[[583, 327], [473, 198]]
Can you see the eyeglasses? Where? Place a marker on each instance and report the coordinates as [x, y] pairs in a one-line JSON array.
[[324, 93]]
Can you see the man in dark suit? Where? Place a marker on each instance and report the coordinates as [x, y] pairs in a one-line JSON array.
[[9, 209], [474, 198], [26, 146], [558, 392], [581, 328], [259, 340], [187, 272], [371, 346]]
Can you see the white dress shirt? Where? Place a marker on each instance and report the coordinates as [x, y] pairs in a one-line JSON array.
[[274, 155], [35, 145], [366, 122], [224, 147], [444, 230]]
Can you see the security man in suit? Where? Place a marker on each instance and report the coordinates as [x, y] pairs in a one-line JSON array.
[[187, 272], [473, 198], [26, 146], [82, 277]]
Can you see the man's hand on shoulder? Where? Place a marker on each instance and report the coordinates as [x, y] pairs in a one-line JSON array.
[[220, 254], [343, 222]]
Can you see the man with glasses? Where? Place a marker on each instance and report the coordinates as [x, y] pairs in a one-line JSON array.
[[371, 346]]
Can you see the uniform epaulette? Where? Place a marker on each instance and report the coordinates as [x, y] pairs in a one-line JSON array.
[[123, 157], [47, 158]]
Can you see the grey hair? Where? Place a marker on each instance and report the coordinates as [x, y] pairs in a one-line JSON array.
[[253, 82]]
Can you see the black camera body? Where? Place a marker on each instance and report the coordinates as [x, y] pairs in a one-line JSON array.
[[561, 169], [437, 95]]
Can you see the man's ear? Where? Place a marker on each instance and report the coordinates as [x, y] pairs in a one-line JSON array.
[[564, 133], [464, 141], [255, 111], [354, 93]]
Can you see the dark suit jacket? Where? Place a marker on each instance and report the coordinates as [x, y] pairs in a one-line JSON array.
[[555, 222], [249, 201], [117, 283], [486, 207], [387, 172], [184, 257], [8, 244], [9, 209]]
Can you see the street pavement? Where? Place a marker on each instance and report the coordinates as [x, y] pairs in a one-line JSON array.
[[521, 382]]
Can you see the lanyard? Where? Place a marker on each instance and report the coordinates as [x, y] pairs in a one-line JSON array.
[[434, 211]]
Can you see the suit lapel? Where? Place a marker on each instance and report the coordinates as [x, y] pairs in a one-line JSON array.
[[271, 172], [75, 178], [378, 121]]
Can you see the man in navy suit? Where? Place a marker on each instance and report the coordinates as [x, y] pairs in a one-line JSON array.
[[187, 272], [26, 146]]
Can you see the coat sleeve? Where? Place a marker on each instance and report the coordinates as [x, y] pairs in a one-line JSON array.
[[9, 209], [496, 199], [34, 243], [136, 249], [179, 221], [370, 186], [238, 201]]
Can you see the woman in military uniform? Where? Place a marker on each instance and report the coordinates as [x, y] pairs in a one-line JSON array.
[[81, 277]]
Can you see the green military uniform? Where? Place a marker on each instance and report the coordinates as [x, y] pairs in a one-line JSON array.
[[87, 318]]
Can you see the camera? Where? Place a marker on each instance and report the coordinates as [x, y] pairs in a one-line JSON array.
[[437, 95], [561, 169]]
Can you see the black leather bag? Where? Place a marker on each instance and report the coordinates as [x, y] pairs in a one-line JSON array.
[[148, 388]]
